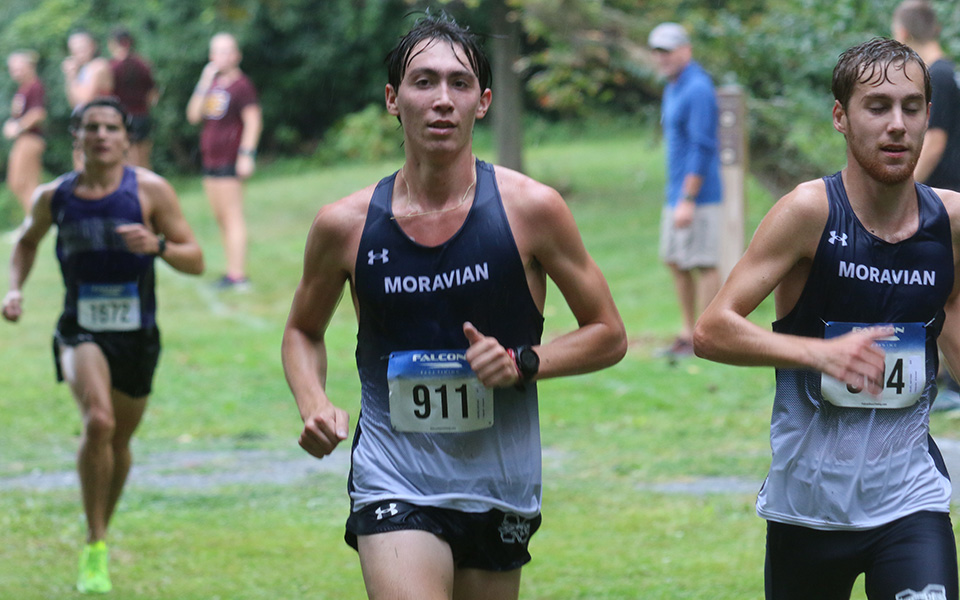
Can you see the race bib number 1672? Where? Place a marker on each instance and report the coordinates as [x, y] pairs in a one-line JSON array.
[[108, 306]]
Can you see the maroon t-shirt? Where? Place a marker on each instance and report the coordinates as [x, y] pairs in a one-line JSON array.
[[132, 82], [222, 124], [28, 96]]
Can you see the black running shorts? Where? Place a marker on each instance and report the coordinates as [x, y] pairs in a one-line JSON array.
[[492, 541], [913, 558], [131, 355]]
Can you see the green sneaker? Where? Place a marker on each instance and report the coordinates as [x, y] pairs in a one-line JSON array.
[[94, 578]]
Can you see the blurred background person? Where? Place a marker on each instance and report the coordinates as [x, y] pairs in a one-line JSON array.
[[86, 76], [693, 213], [134, 86], [225, 101], [915, 24], [24, 127]]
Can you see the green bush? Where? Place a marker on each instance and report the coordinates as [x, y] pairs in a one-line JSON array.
[[371, 135]]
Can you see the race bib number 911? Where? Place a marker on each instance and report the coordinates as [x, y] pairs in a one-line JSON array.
[[904, 368], [436, 391]]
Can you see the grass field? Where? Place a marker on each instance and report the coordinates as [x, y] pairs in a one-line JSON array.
[[649, 469]]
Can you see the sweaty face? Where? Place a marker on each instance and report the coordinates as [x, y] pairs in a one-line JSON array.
[[102, 135], [885, 122], [439, 98]]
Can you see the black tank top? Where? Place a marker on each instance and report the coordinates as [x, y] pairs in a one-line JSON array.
[[413, 297], [99, 272], [840, 460]]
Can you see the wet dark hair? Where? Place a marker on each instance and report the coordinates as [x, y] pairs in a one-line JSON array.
[[440, 27], [869, 63], [76, 117]]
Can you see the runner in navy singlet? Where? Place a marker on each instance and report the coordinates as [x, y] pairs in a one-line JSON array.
[[112, 222], [863, 265], [447, 262]]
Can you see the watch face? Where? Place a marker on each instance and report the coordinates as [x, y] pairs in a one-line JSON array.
[[529, 361]]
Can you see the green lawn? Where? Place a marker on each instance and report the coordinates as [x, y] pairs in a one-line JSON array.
[[620, 447]]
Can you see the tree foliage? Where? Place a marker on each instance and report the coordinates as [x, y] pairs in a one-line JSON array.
[[312, 61], [781, 52], [317, 61]]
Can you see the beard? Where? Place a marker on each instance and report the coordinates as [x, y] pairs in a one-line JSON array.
[[871, 161]]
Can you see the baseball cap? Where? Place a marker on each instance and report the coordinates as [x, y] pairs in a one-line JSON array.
[[668, 36]]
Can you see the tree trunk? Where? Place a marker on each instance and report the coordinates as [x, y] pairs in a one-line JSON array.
[[507, 107]]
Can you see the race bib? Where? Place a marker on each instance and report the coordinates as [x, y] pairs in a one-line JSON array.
[[905, 368], [436, 391], [109, 306]]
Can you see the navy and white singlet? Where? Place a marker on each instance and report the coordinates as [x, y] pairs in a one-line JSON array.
[[840, 461], [413, 301], [108, 288]]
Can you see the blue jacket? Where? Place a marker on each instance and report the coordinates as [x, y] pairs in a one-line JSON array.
[[689, 116]]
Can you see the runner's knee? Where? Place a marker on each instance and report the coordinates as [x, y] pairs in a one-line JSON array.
[[100, 425]]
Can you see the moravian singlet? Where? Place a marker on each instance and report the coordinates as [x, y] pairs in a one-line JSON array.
[[842, 459], [428, 433], [108, 288]]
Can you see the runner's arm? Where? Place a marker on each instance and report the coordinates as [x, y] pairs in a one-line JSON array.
[[786, 238], [35, 226], [303, 350], [182, 251], [545, 227]]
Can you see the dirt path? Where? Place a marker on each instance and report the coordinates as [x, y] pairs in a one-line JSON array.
[[210, 469]]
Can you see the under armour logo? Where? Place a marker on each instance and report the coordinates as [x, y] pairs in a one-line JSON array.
[[834, 238], [934, 591], [514, 529], [381, 256], [389, 511]]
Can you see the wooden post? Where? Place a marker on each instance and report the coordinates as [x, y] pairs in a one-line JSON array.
[[733, 170], [507, 107]]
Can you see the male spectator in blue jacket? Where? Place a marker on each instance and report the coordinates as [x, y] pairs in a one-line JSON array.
[[692, 215]]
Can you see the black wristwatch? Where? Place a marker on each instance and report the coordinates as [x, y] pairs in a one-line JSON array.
[[161, 244], [528, 362]]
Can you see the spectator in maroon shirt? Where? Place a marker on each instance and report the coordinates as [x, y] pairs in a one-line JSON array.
[[226, 102], [24, 127], [134, 86]]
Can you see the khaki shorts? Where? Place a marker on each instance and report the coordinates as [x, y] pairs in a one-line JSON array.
[[696, 246]]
